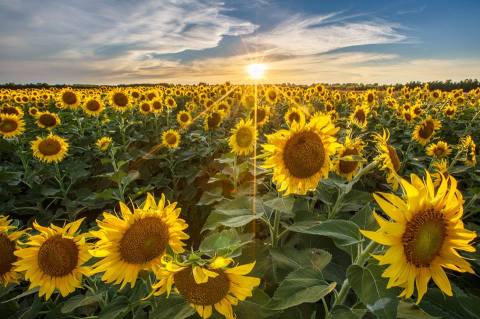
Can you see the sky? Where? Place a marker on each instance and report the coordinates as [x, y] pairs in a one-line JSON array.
[[188, 41]]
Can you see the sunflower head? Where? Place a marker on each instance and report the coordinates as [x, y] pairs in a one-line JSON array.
[[423, 234], [170, 102], [184, 119], [68, 98], [157, 106], [48, 120], [388, 158], [8, 244], [145, 107], [469, 147], [93, 107], [213, 120], [119, 100], [346, 165], [294, 114], [103, 143], [50, 149], [242, 140], [171, 139], [425, 130], [359, 116], [11, 125], [262, 115], [137, 240], [55, 258], [300, 156], [440, 149]]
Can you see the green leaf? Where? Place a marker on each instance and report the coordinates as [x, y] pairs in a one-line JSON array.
[[222, 242], [408, 310], [300, 286], [343, 230], [293, 258], [173, 307], [281, 204], [372, 290], [79, 301], [343, 312]]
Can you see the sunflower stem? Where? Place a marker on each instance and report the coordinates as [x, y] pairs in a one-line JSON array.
[[59, 179]]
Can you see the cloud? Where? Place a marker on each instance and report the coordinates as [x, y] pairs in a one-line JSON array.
[[300, 35]]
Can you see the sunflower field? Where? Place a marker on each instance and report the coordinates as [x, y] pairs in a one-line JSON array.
[[239, 201]]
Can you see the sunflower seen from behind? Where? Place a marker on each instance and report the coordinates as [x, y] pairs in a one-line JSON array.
[[424, 233], [137, 239], [215, 285], [8, 245], [300, 156], [11, 125], [54, 259], [243, 137]]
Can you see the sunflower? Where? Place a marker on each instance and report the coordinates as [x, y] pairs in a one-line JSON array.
[[103, 143], [171, 139], [216, 285], [54, 259], [346, 166], [425, 130], [423, 235], [263, 114], [359, 116], [439, 149], [184, 119], [440, 170], [450, 111], [271, 95], [300, 156], [11, 125], [213, 120], [11, 110], [294, 114], [68, 98], [48, 120], [137, 240], [33, 111], [8, 244], [93, 107], [50, 149], [388, 158], [469, 146], [157, 105], [145, 108], [170, 102], [119, 100], [242, 140]]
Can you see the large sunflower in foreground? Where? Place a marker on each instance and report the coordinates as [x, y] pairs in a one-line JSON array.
[[242, 140], [216, 285], [8, 244], [50, 149], [388, 158], [425, 130], [424, 232], [137, 240], [345, 165], [11, 125], [54, 259], [300, 156]]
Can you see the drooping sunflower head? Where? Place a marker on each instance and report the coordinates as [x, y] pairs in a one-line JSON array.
[[11, 125], [119, 100], [424, 233], [440, 149], [300, 156], [103, 143], [48, 120], [346, 165], [242, 140], [93, 107], [184, 119], [50, 149], [294, 114], [213, 120], [55, 259], [388, 158], [136, 240], [468, 145], [68, 98], [217, 285], [171, 138], [425, 130], [8, 244]]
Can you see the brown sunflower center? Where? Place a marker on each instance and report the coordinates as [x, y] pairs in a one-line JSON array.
[[214, 120], [449, 112], [360, 116], [145, 107], [7, 247], [424, 236], [47, 120], [439, 151], [184, 117], [304, 154], [93, 105], [209, 293], [370, 98], [294, 117], [426, 130], [69, 98], [145, 240], [8, 125], [272, 95], [58, 256], [157, 105], [261, 114], [120, 99], [49, 147], [171, 138], [392, 153], [10, 110], [244, 137], [346, 167]]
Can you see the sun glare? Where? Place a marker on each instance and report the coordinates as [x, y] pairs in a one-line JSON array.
[[256, 70]]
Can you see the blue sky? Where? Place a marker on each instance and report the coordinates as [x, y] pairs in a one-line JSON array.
[[187, 41]]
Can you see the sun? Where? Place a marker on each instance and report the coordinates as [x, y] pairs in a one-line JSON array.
[[256, 70]]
